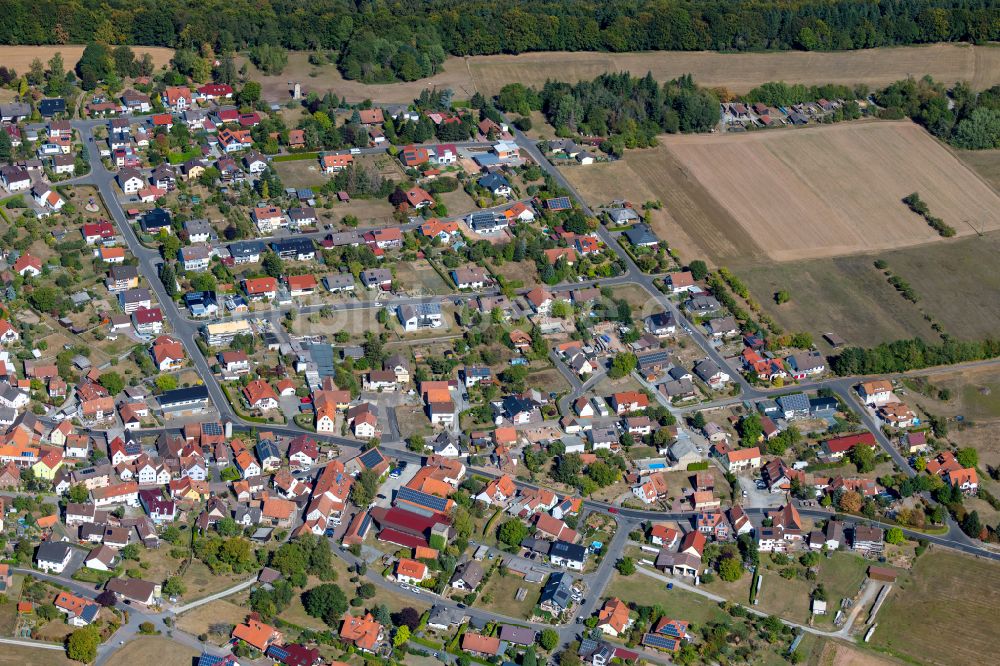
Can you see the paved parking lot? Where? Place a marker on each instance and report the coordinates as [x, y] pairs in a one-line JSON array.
[[391, 485], [758, 498]]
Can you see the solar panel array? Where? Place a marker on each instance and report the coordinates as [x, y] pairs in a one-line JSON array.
[[434, 502], [371, 458], [670, 629], [657, 641], [211, 428], [277, 653], [559, 203]]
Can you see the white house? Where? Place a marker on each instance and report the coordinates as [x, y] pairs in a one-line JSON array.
[[53, 556]]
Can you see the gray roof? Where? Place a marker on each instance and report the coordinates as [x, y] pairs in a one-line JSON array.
[[445, 616], [471, 573], [798, 402], [52, 551], [641, 234], [558, 590], [706, 368]]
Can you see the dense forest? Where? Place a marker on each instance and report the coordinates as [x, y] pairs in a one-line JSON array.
[[382, 40], [630, 110]]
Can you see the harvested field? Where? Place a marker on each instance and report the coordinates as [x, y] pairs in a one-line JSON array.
[[830, 191], [848, 296], [986, 163], [980, 65], [19, 57], [939, 595]]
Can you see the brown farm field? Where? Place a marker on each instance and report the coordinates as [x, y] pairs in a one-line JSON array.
[[836, 190], [957, 596], [980, 65], [984, 162], [848, 296], [797, 194], [19, 57]]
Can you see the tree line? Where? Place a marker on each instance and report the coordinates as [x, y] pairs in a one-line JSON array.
[[409, 40], [903, 355]]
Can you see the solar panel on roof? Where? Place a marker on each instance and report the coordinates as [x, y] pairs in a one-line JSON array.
[[434, 502], [660, 641], [277, 653], [670, 630], [371, 458], [212, 428]]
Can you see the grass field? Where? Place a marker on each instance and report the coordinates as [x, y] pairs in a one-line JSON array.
[[836, 190], [503, 601], [197, 621], [980, 65], [148, 649], [955, 595], [677, 603], [19, 57], [420, 278], [17, 655], [848, 296], [300, 173]]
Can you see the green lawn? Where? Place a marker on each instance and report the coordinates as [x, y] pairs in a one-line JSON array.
[[677, 603], [503, 600]]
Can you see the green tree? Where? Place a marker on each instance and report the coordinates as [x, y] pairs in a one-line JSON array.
[[625, 566], [327, 602], [168, 276], [863, 456], [130, 552], [44, 298], [699, 269], [750, 428], [622, 365], [364, 488], [166, 382], [967, 457], [273, 265], [730, 569], [512, 532], [402, 636], [548, 639], [174, 587], [782, 297], [82, 644], [78, 494], [895, 536], [113, 382]]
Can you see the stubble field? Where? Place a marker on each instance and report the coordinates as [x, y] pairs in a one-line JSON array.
[[19, 57], [945, 613], [837, 190], [738, 72]]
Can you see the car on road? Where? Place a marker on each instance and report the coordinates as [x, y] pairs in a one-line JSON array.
[[612, 509]]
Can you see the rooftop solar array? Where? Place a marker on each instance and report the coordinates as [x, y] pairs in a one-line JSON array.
[[434, 502], [657, 641]]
